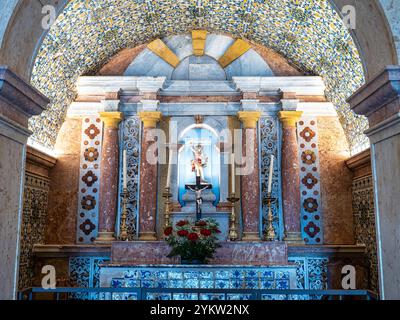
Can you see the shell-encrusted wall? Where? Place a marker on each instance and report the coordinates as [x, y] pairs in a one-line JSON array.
[[309, 33]]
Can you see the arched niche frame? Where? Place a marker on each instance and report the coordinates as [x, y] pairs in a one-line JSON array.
[[217, 171]]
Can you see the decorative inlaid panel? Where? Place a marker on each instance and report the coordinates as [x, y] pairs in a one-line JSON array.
[[33, 225], [309, 33], [364, 221], [130, 141], [89, 180], [311, 208], [269, 145], [84, 272], [311, 273]]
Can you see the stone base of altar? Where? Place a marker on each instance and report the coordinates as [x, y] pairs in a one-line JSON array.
[[231, 253]]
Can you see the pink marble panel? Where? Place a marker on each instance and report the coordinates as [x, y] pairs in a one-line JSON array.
[[148, 188], [231, 253], [109, 180], [251, 187], [290, 180]]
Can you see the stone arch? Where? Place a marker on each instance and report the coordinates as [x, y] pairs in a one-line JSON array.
[[375, 41]]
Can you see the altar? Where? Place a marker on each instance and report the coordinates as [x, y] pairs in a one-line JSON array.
[[236, 266], [241, 149]]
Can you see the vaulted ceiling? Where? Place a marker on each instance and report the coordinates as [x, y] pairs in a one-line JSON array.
[[309, 33]]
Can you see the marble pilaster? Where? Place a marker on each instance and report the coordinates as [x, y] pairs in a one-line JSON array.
[[148, 178], [109, 176], [379, 100], [18, 102], [290, 175], [250, 182]]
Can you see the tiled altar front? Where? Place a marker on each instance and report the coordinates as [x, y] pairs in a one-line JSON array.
[[236, 265], [164, 277]]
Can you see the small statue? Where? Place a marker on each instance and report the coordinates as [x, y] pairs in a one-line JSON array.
[[199, 162]]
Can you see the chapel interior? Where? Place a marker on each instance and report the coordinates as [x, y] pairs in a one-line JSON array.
[[271, 117]]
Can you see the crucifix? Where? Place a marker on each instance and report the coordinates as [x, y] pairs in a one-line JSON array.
[[198, 163]]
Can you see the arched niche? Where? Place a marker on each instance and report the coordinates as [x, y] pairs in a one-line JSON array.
[[207, 137], [214, 126]]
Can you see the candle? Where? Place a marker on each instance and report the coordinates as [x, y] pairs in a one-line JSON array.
[[169, 168], [233, 175], [271, 173], [125, 185]]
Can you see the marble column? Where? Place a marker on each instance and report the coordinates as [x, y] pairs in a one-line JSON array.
[[250, 180], [18, 102], [109, 176], [379, 100], [290, 176], [148, 178]]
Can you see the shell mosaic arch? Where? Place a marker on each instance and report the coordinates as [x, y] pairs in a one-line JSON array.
[[309, 33]]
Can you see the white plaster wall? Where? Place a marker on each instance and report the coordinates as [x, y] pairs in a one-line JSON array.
[[12, 163], [386, 154], [7, 9], [392, 11]]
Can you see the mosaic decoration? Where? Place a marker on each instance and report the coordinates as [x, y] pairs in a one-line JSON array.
[[364, 221], [309, 33], [84, 272], [89, 176], [130, 141], [269, 145], [33, 225], [311, 214]]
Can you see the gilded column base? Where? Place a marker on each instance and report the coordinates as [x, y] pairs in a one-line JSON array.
[[251, 236], [147, 236], [294, 237], [105, 237]]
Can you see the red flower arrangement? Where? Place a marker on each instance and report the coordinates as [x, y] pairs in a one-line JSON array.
[[193, 241], [182, 223], [183, 233], [193, 236], [205, 232], [168, 231]]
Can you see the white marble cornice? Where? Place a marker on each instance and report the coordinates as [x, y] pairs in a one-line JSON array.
[[99, 85], [301, 86], [317, 109]]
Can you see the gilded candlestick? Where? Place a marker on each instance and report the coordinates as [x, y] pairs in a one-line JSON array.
[[233, 234], [124, 229], [168, 208], [269, 233]]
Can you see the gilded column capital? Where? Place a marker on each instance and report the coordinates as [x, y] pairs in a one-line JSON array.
[[150, 118], [249, 118], [290, 118], [111, 119]]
